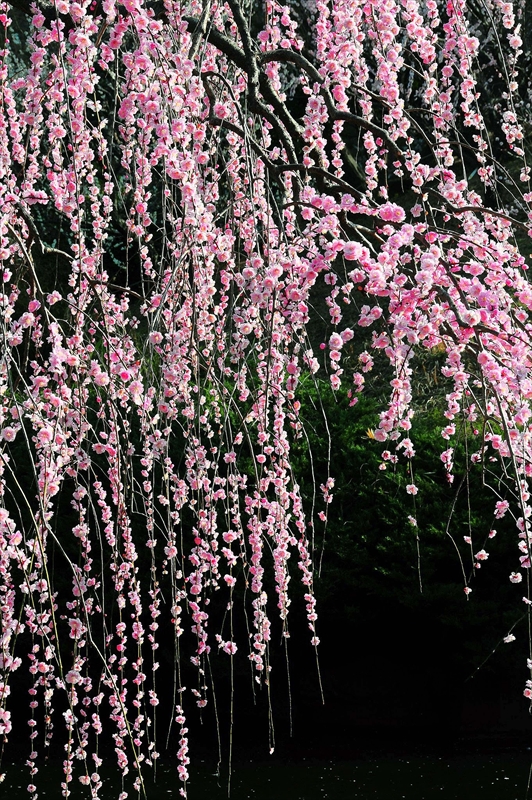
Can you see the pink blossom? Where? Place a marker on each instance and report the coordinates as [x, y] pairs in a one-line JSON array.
[[5, 722], [391, 212], [353, 251], [9, 434], [335, 341], [77, 629], [53, 298], [45, 435], [101, 379], [501, 507], [220, 110]]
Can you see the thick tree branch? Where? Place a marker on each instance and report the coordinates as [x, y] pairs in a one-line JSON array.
[[291, 56]]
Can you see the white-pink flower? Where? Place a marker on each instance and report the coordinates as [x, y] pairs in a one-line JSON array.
[[101, 379], [45, 435], [77, 628], [352, 251], [5, 722], [72, 677], [391, 212], [9, 434], [335, 341]]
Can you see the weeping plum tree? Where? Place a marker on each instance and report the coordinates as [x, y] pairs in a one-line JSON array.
[[205, 205]]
